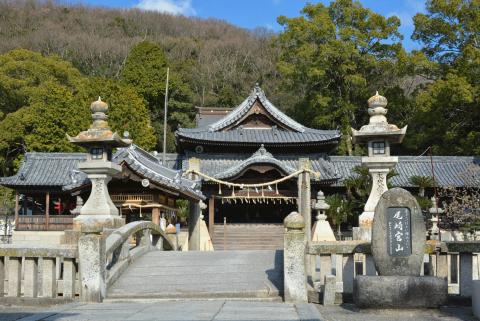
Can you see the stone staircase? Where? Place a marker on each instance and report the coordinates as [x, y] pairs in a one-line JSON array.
[[248, 237], [251, 275]]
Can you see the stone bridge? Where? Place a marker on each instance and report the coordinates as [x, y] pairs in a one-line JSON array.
[[139, 261]]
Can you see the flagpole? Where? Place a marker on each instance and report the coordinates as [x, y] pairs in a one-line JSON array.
[[165, 121]]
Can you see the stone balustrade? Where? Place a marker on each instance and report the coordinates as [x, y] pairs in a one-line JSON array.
[[64, 272], [456, 261], [38, 272]]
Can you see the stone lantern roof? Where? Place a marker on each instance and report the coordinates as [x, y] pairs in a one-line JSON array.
[[99, 132], [378, 127]]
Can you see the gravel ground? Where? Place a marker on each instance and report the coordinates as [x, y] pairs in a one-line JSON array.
[[349, 312]]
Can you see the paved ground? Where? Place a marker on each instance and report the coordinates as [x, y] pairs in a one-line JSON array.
[[218, 274], [216, 310], [213, 310], [349, 312]]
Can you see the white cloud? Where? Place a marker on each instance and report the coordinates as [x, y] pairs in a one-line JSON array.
[[410, 8], [176, 7]]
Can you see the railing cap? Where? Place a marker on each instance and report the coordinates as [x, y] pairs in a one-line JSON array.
[[294, 221]]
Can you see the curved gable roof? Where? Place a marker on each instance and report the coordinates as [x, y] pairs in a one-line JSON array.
[[261, 156], [242, 109]]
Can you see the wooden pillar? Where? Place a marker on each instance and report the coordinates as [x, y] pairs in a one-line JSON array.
[[17, 208], [156, 215], [47, 210], [211, 215]]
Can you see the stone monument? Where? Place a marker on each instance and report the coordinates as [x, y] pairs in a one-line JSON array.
[[378, 135], [398, 247]]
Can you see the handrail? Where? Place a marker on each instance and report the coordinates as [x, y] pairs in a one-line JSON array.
[[122, 234], [119, 253], [458, 262]]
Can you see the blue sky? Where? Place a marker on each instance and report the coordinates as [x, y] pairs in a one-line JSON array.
[[263, 13]]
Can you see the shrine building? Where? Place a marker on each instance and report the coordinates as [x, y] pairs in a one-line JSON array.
[[244, 162]]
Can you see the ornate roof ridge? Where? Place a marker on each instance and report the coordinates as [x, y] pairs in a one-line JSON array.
[[260, 156], [238, 112]]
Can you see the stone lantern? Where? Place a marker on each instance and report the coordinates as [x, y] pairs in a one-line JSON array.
[[322, 231], [99, 211], [378, 135]]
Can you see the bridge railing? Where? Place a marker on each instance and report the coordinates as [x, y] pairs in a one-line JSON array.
[[38, 272], [312, 268], [130, 241], [455, 261]]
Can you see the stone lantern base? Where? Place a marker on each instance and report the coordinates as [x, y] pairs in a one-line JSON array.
[[96, 223]]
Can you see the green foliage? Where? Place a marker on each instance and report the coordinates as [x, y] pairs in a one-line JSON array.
[[447, 110], [23, 71], [7, 201], [146, 70], [183, 207], [422, 182], [341, 209], [424, 202], [52, 108], [335, 58]]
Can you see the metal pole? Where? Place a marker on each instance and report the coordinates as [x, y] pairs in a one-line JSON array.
[[165, 120]]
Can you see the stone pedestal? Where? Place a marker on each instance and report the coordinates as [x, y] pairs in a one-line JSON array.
[[99, 211], [382, 292], [91, 250]]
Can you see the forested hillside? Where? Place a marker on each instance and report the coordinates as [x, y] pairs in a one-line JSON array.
[[220, 62], [55, 59]]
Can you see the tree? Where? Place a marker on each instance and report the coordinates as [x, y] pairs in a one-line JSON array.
[[422, 182], [22, 71], [448, 112], [340, 209], [334, 58], [53, 109], [146, 70]]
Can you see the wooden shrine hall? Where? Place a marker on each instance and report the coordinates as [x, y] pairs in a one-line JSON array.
[[249, 163]]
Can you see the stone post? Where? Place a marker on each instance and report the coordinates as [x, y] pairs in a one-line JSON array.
[[14, 276], [295, 277], [30, 287], [91, 250], [49, 277], [304, 196], [194, 226], [172, 236]]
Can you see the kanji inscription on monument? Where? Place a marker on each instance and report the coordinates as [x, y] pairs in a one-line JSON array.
[[398, 231]]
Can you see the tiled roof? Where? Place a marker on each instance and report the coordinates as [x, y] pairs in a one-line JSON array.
[[149, 166], [61, 170], [223, 164], [247, 104], [46, 169], [259, 157], [260, 136], [298, 134], [449, 170]]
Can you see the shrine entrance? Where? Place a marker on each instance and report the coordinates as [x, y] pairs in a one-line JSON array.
[[262, 212]]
